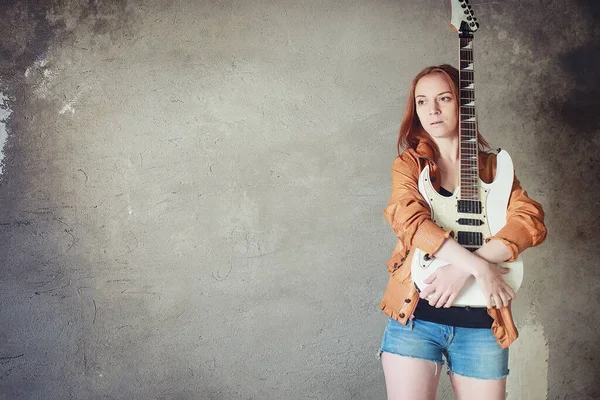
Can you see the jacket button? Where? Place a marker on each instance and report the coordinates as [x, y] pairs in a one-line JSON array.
[[407, 300], [401, 315], [395, 265], [403, 259]]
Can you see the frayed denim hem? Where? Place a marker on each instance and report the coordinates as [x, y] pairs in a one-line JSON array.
[[450, 372], [438, 363]]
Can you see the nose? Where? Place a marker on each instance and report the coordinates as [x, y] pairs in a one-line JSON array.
[[433, 108]]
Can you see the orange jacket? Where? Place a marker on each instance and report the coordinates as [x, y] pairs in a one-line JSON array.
[[410, 217]]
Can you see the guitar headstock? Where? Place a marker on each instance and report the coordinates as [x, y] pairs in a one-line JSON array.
[[463, 19]]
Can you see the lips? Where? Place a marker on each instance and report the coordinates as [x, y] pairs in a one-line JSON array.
[[435, 123]]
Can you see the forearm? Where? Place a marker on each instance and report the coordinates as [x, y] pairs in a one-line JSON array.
[[455, 254], [494, 251]]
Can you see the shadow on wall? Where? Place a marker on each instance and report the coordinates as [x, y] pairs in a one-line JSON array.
[[581, 106], [570, 149], [26, 35]]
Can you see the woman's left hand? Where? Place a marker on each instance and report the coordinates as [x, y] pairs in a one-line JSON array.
[[444, 285]]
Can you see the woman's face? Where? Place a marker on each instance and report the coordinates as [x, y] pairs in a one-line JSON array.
[[436, 106]]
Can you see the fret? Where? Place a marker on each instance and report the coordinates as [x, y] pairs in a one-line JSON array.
[[469, 147]]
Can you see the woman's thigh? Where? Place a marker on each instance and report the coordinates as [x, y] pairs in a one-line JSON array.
[[409, 378], [478, 389], [412, 360], [478, 365]]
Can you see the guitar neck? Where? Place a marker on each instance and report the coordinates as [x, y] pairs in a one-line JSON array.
[[469, 165]]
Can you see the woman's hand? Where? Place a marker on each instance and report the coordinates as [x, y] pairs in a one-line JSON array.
[[444, 285], [497, 292]]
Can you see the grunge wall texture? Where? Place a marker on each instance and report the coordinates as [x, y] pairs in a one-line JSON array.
[[191, 200]]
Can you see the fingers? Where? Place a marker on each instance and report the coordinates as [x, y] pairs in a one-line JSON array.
[[505, 299], [511, 292], [442, 300], [431, 277], [433, 299], [451, 299], [498, 301], [489, 302], [427, 291], [503, 270], [430, 288], [503, 296]]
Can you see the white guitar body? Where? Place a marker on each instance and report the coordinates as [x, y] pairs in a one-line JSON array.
[[444, 212]]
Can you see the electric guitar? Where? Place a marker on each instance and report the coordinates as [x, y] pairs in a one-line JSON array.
[[476, 210]]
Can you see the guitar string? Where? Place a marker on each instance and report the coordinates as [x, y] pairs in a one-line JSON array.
[[469, 147]]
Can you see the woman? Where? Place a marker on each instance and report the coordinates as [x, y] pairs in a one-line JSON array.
[[421, 333]]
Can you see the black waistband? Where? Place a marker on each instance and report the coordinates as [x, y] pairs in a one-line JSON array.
[[464, 317]]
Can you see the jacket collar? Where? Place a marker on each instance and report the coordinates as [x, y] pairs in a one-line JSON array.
[[424, 150]]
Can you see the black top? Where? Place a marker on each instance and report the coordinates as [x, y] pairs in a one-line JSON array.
[[465, 317]]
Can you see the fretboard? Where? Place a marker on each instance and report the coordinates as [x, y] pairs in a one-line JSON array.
[[469, 166]]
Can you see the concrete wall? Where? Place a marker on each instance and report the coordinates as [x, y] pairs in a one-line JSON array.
[[192, 191]]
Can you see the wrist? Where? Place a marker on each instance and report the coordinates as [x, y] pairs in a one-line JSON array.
[[479, 267]]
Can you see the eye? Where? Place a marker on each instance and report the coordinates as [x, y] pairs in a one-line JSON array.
[[446, 98], [420, 102]]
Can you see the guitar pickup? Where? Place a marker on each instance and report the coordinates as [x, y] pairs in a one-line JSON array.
[[469, 206], [470, 238], [470, 222]]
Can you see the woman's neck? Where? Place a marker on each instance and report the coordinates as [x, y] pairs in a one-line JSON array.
[[448, 148]]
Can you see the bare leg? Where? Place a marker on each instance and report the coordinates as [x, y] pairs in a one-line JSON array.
[[478, 389], [409, 378]]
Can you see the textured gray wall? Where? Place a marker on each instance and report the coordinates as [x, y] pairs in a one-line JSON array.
[[192, 192]]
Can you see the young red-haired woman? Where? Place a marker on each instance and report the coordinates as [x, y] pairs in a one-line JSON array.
[[421, 333]]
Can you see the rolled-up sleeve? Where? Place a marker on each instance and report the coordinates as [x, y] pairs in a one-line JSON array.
[[408, 213], [524, 222]]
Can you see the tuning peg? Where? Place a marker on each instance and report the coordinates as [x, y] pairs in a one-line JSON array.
[[463, 5], [477, 25], [469, 18], [466, 12]]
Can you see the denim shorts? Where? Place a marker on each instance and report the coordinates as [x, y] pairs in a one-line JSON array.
[[470, 352]]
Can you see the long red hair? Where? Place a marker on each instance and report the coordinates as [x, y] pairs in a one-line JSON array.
[[411, 130]]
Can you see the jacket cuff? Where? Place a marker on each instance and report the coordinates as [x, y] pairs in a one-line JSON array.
[[516, 237], [429, 237]]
